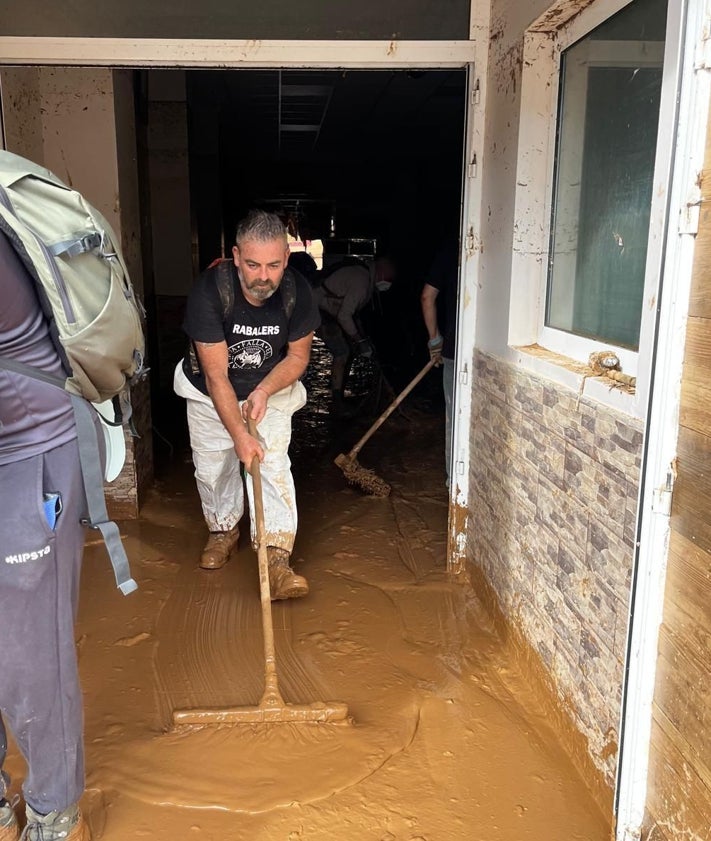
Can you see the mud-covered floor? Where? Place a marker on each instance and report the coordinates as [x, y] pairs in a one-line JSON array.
[[449, 740]]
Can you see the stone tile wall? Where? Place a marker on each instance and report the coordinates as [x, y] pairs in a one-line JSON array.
[[125, 494], [553, 501]]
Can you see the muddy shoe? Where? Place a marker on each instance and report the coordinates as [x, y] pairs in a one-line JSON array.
[[218, 547], [284, 583], [9, 828], [68, 825]]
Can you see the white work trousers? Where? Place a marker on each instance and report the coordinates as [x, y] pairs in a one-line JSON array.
[[217, 468]]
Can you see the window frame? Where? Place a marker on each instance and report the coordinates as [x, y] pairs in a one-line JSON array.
[[533, 212]]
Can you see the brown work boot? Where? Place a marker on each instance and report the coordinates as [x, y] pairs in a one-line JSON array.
[[68, 825], [218, 547], [284, 583], [9, 828]]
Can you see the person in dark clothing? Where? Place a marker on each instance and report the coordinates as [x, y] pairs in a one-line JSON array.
[[305, 264], [439, 311], [42, 505], [341, 296]]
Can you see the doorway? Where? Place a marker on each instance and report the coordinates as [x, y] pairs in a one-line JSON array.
[[347, 156]]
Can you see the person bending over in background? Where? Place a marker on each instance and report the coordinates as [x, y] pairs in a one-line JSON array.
[[251, 322], [341, 295]]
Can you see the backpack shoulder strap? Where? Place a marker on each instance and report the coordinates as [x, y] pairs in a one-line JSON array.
[[225, 281], [91, 473], [288, 292], [94, 489], [224, 274]]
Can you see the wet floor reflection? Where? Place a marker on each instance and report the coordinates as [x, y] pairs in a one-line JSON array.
[[433, 689], [314, 427], [450, 740]]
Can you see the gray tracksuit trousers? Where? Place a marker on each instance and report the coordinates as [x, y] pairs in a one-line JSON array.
[[40, 697]]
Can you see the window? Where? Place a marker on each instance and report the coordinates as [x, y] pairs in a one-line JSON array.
[[594, 142], [607, 136]]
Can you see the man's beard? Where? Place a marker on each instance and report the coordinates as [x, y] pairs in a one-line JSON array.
[[261, 290]]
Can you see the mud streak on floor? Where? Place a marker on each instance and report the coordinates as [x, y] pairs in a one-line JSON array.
[[449, 740]]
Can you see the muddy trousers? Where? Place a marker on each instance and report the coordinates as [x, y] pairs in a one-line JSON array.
[[40, 697], [217, 468]]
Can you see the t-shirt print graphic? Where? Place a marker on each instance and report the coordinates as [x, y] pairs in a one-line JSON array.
[[251, 353]]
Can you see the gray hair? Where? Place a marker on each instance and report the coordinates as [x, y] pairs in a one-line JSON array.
[[261, 226]]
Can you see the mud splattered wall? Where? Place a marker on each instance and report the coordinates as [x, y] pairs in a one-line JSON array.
[[553, 507], [553, 477], [679, 797], [79, 123]]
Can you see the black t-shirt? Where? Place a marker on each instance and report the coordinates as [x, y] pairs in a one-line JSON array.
[[257, 337], [443, 275]]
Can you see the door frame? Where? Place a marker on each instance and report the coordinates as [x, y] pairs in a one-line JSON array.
[[233, 53], [154, 53], [662, 419]]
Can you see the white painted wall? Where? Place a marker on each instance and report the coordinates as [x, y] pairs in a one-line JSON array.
[[509, 19]]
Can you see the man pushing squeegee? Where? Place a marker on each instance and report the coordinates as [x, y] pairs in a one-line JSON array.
[[251, 322]]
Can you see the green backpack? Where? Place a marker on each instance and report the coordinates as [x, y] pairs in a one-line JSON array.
[[94, 317]]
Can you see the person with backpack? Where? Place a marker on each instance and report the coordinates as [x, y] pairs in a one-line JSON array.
[[42, 507], [251, 322], [344, 290]]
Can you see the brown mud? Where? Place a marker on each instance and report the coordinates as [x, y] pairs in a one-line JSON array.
[[450, 741]]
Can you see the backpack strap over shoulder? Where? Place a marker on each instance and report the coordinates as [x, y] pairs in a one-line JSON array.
[[225, 276], [94, 489], [225, 282], [288, 292]]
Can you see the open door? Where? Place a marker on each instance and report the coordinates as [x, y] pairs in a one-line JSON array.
[[657, 745], [469, 254]]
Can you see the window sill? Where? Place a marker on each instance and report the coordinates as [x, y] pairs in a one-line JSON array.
[[578, 377]]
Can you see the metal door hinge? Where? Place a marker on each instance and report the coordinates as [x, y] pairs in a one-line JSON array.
[[662, 503], [476, 93], [472, 169], [469, 242], [690, 213]]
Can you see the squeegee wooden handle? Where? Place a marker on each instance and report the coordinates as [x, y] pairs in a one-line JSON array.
[[258, 496], [272, 697], [391, 408]]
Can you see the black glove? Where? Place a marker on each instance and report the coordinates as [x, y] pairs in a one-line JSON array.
[[364, 347]]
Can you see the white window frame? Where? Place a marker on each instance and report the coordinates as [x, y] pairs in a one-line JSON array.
[[534, 197]]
